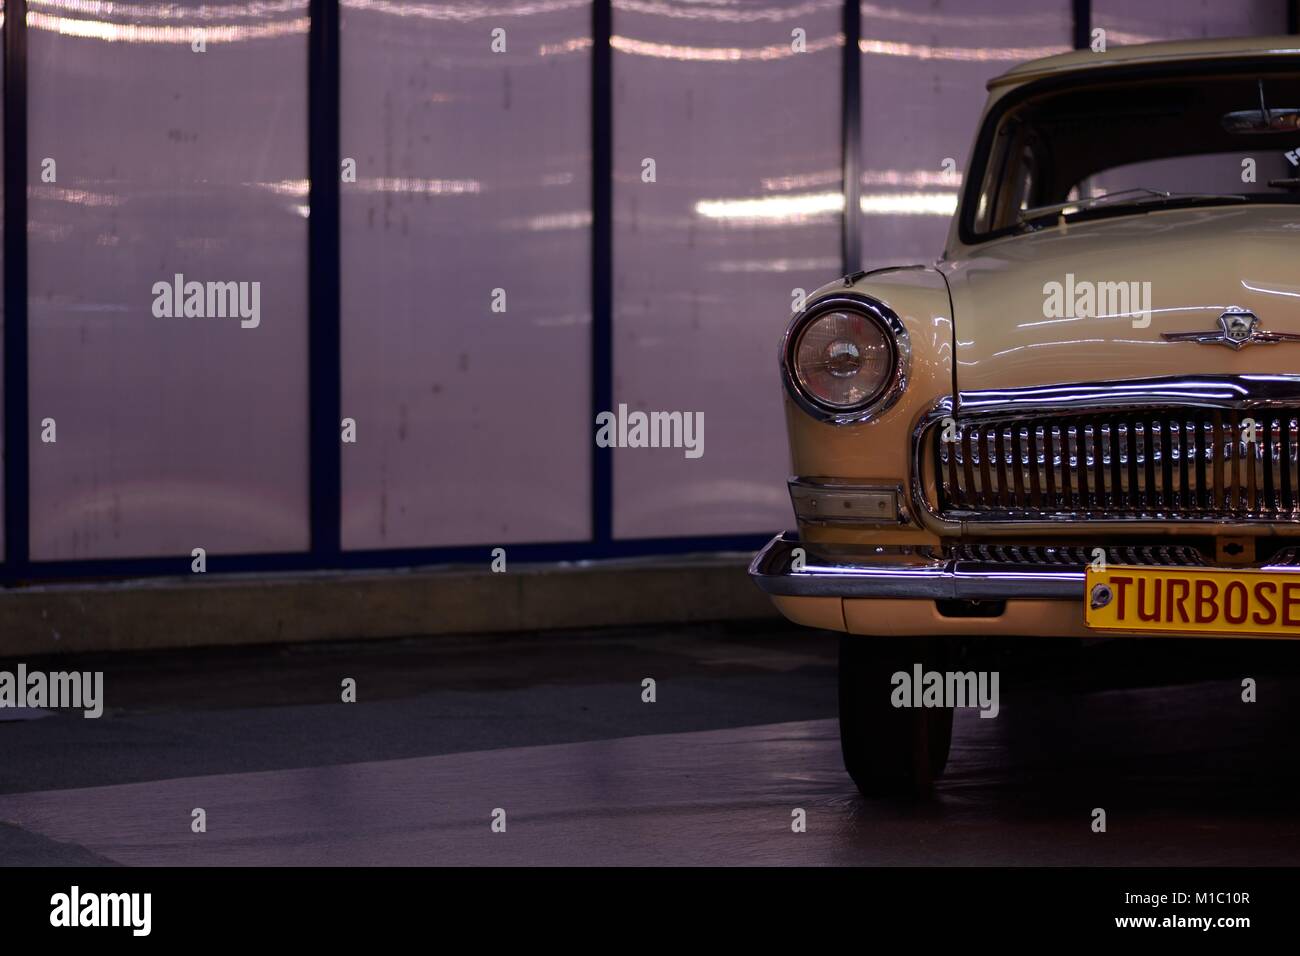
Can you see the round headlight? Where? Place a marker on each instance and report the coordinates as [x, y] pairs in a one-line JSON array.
[[846, 358], [843, 360]]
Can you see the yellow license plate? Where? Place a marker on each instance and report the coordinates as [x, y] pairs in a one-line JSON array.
[[1193, 601]]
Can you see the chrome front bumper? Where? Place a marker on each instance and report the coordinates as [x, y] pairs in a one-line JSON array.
[[905, 572]]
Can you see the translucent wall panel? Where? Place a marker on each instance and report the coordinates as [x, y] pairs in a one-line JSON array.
[[150, 159], [1126, 22], [466, 272], [744, 133], [924, 68], [3, 536]]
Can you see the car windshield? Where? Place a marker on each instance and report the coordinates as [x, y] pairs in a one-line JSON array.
[[1113, 149]]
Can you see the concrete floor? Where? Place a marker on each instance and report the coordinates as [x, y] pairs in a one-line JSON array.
[[552, 729]]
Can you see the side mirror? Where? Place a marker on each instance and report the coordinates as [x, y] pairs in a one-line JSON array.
[[1262, 121]]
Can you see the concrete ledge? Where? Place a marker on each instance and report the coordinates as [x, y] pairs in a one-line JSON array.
[[216, 610]]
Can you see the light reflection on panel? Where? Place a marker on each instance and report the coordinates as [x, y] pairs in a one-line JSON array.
[[183, 432], [746, 205], [924, 69], [1126, 22], [473, 175]]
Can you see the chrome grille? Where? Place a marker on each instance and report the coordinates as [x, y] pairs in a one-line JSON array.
[[1175, 464], [1077, 556]]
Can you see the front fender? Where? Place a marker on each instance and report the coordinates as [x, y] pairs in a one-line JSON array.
[[879, 451]]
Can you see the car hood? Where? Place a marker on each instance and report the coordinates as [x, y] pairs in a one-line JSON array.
[[1033, 310]]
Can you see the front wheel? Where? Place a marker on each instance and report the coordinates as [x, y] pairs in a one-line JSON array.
[[888, 750]]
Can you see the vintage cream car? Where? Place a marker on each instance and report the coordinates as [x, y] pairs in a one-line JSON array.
[[1084, 419]]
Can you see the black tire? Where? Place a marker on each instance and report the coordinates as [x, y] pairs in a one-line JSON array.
[[890, 751]]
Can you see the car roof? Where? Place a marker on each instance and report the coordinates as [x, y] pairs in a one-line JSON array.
[[1164, 52]]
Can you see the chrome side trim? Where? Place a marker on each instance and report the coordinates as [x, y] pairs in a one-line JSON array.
[[895, 332], [1197, 391], [904, 572]]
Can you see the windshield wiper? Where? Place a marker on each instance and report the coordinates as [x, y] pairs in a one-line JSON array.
[[1037, 212], [1145, 196]]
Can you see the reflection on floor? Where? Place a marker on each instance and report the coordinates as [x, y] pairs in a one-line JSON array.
[[1186, 772]]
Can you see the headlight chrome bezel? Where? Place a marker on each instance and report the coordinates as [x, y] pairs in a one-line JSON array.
[[901, 359]]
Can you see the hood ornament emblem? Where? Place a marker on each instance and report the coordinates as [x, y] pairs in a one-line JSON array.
[[1238, 328]]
